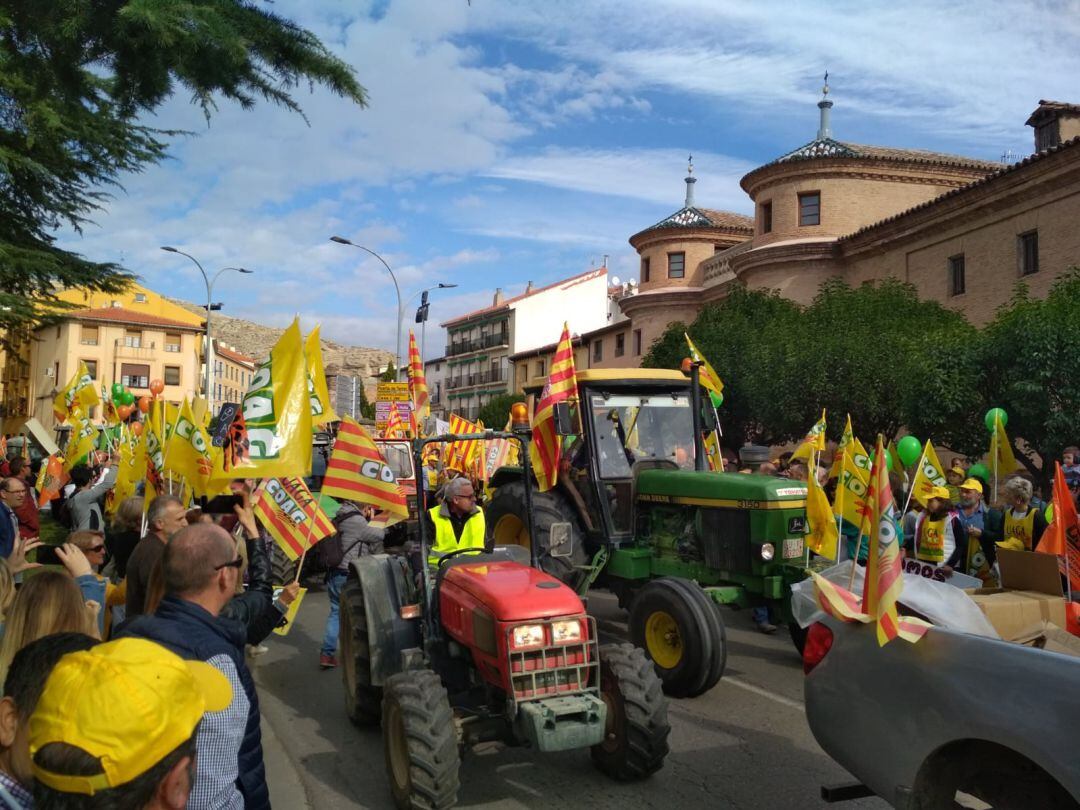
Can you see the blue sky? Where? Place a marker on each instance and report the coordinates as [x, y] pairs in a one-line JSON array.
[[509, 141]]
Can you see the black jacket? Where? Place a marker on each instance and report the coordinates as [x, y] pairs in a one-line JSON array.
[[193, 633], [254, 608]]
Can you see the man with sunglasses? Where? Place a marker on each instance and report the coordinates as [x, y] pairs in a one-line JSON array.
[[200, 567], [12, 494], [458, 522]]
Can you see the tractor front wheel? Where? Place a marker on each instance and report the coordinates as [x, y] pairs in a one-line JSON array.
[[362, 700], [636, 737], [681, 631], [420, 741]]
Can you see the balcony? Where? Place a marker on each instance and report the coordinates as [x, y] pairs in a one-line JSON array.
[[477, 378], [147, 352], [467, 345]]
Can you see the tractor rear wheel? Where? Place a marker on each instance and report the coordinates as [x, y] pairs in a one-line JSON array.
[[420, 741], [506, 517], [636, 736], [282, 569], [363, 702], [680, 629]]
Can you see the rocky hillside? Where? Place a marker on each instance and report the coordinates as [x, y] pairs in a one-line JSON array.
[[256, 340]]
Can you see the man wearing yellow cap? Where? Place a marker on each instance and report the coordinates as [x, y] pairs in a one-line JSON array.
[[976, 519], [940, 537], [115, 727]]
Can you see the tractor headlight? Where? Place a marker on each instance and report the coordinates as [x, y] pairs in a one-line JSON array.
[[768, 551], [566, 632], [527, 635]]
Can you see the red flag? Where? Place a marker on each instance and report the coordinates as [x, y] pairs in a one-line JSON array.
[[1062, 536], [417, 382], [561, 386]]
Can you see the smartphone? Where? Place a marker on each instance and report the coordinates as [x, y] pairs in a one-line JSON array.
[[46, 555], [220, 505]]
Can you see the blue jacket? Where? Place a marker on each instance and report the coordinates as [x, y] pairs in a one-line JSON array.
[[8, 530], [193, 633]]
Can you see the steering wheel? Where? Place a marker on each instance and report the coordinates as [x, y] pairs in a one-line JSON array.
[[459, 551]]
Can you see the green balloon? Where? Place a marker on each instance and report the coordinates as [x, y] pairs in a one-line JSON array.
[[888, 459], [117, 389], [979, 471], [127, 398], [909, 449], [996, 412], [717, 399]]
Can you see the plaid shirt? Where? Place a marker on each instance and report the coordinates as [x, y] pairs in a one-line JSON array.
[[13, 796], [218, 747]]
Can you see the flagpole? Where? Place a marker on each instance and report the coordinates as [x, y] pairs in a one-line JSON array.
[[911, 489], [307, 543], [994, 449]]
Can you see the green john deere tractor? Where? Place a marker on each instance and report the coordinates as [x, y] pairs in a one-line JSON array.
[[642, 516]]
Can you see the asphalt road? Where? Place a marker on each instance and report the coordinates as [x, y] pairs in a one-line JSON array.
[[745, 744]]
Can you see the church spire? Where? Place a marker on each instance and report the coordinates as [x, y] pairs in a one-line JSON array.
[[825, 106], [690, 180]]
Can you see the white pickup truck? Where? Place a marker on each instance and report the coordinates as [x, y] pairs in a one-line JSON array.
[[956, 712]]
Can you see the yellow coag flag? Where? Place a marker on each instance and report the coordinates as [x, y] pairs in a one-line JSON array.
[[847, 438], [814, 441], [713, 456], [277, 416], [851, 486], [929, 475], [153, 453], [187, 452], [823, 536], [82, 438], [709, 379], [201, 411], [131, 471], [78, 394], [321, 412], [1001, 453]]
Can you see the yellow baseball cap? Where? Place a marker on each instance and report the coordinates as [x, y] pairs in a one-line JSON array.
[[972, 483], [129, 703], [939, 492], [956, 468]]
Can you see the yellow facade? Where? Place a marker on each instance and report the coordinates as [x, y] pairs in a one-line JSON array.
[[135, 298]]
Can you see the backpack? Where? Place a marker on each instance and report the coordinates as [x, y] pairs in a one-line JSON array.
[[331, 551], [61, 513]]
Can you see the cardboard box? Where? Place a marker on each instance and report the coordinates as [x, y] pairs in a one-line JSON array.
[[1059, 641], [1029, 599]]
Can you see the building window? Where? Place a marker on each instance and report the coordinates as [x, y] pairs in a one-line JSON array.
[[956, 275], [134, 375], [133, 340], [810, 208], [172, 375], [1027, 252], [676, 265], [637, 342], [172, 342], [140, 298], [539, 368], [91, 368], [644, 270], [88, 335], [620, 344], [598, 351], [766, 217]]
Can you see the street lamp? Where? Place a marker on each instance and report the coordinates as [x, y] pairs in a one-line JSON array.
[[421, 314], [210, 282], [341, 240]]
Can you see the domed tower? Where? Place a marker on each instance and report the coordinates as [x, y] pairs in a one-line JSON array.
[[672, 252]]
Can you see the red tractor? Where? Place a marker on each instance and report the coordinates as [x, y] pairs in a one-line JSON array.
[[488, 647]]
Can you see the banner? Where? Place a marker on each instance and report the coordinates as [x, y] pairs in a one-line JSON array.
[[929, 475], [291, 515], [78, 394], [276, 416], [319, 394], [358, 472]]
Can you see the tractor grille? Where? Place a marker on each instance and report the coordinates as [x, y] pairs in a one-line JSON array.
[[725, 541], [555, 668]]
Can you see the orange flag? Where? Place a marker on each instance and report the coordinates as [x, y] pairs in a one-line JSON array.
[[561, 386], [1062, 536]]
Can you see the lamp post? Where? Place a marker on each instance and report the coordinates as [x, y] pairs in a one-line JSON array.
[[341, 240], [421, 313], [210, 282]]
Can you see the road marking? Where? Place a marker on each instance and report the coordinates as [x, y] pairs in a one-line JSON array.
[[757, 690]]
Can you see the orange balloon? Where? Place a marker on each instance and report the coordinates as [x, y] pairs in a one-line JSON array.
[[144, 404], [156, 387], [136, 428], [123, 411]]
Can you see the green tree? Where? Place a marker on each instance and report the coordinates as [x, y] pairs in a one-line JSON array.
[[363, 407], [495, 413], [77, 81], [390, 375]]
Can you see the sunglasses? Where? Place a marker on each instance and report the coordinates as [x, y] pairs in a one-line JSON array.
[[239, 561], [97, 549]]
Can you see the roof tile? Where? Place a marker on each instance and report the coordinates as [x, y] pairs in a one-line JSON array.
[[123, 315]]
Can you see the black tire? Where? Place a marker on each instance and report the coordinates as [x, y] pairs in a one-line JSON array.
[[282, 569], [680, 630], [420, 742], [363, 702], [636, 740], [505, 517]]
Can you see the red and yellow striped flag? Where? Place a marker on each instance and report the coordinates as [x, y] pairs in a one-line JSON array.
[[561, 386], [358, 472], [461, 456], [417, 382], [291, 515], [395, 426]]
